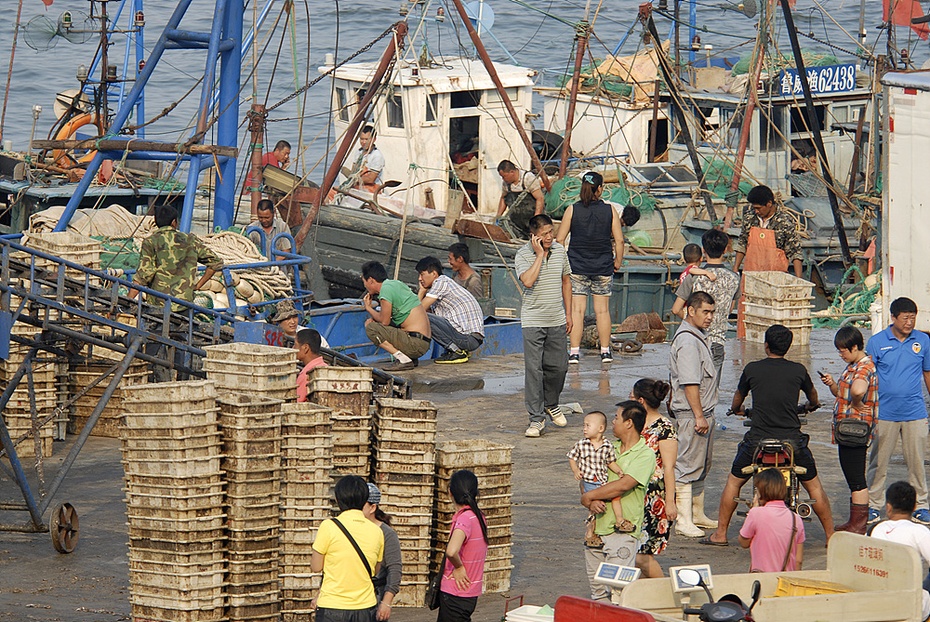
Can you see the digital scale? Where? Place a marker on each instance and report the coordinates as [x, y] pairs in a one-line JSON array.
[[616, 575], [679, 586]]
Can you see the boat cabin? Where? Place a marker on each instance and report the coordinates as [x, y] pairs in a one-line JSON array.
[[779, 124], [439, 125]]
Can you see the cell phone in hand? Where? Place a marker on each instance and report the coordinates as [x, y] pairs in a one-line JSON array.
[[821, 374]]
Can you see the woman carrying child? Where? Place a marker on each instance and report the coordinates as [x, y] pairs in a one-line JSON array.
[[661, 510], [773, 533]]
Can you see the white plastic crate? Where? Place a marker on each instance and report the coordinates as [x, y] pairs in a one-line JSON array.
[[773, 285]]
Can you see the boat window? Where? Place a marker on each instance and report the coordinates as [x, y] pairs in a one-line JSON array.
[[799, 118], [493, 97], [839, 114], [341, 108], [432, 107], [465, 99], [772, 128], [395, 111]]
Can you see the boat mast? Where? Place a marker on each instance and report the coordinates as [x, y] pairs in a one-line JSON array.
[[489, 66], [814, 126], [751, 97], [582, 30], [387, 61], [645, 15]]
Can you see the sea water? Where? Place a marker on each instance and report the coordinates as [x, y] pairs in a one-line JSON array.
[[541, 39]]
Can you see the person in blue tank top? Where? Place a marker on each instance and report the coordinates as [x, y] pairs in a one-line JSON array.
[[595, 253]]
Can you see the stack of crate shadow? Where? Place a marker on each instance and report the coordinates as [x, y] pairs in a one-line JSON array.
[[404, 465], [492, 463], [171, 448]]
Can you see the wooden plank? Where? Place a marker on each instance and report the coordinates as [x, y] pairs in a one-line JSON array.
[[111, 144], [475, 229]]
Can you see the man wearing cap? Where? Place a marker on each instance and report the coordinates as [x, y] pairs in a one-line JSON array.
[[595, 253], [287, 318], [398, 324]]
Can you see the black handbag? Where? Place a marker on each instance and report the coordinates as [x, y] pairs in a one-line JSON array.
[[852, 432], [432, 590]]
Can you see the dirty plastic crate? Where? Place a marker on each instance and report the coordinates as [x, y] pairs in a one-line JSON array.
[[778, 311], [389, 408], [411, 594], [74, 247], [774, 285], [801, 329], [473, 453], [332, 379], [301, 414], [255, 354]]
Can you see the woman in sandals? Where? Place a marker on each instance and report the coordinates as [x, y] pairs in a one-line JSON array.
[[463, 566], [659, 434]]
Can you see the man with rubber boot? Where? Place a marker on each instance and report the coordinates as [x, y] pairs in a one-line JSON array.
[[693, 377]]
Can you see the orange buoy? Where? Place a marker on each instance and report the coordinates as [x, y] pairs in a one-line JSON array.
[[68, 131]]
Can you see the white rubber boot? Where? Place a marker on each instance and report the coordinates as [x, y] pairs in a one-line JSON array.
[[684, 525], [697, 507]]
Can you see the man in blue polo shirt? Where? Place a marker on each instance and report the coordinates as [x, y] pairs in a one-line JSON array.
[[901, 356]]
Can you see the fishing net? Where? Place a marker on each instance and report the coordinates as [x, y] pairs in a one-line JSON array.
[[777, 62], [565, 192], [851, 301], [595, 81], [718, 175]]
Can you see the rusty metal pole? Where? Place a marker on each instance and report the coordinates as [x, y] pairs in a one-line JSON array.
[[581, 37], [747, 118], [387, 60], [489, 65], [814, 126], [257, 116]]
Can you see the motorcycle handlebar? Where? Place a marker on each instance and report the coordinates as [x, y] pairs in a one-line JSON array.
[[692, 612]]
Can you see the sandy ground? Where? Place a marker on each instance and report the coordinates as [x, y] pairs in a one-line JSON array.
[[480, 399]]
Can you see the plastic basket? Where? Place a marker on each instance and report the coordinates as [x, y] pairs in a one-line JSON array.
[[777, 313], [391, 409], [473, 453], [801, 329], [255, 354], [773, 285]]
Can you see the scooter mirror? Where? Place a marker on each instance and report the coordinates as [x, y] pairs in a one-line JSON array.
[[756, 592], [690, 577]]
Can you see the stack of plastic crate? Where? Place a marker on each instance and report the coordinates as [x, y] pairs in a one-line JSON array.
[[251, 431], [83, 375], [70, 246], [777, 298], [347, 390], [261, 370], [404, 466], [306, 501], [174, 494], [493, 464], [18, 412]]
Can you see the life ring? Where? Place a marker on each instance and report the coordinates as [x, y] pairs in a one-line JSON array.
[[68, 132]]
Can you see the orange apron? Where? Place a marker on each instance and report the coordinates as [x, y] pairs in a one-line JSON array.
[[761, 254]]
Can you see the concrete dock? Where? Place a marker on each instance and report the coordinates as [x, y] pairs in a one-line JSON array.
[[480, 399]]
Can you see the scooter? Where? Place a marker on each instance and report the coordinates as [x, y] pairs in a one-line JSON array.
[[730, 608]]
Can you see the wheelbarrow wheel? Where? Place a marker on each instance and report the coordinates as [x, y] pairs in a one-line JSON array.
[[63, 527]]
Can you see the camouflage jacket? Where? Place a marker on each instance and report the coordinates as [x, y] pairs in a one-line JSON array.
[[787, 237], [168, 262]]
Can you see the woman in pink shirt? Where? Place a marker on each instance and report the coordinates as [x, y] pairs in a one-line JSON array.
[[773, 533], [463, 571]]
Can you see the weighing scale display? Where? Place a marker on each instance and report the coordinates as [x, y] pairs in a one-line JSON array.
[[680, 586], [617, 575]]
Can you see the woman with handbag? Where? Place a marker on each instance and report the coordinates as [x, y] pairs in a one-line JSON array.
[[463, 565], [772, 532], [386, 580], [853, 420], [348, 550]]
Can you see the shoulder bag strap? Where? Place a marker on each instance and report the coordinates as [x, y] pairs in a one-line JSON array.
[[356, 547], [794, 531]]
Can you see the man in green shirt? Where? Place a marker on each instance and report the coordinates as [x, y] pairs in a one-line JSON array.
[[637, 462], [399, 325]]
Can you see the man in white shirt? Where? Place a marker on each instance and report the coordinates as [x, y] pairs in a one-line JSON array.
[[900, 501], [370, 161]]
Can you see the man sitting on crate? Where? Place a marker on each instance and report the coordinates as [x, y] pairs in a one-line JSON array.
[[774, 383]]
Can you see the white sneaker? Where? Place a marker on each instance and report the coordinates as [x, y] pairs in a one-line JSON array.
[[558, 419], [535, 429]]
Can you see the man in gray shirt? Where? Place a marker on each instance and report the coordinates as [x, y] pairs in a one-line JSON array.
[[546, 316], [693, 377]]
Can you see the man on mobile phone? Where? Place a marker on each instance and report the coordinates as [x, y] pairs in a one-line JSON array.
[[546, 314]]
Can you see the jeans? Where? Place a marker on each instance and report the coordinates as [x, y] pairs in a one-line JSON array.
[[718, 352], [545, 361], [445, 335]]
